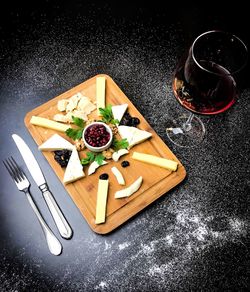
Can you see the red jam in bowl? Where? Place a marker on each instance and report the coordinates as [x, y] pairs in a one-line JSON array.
[[97, 135]]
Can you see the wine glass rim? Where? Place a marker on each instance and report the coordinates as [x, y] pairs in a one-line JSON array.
[[225, 33]]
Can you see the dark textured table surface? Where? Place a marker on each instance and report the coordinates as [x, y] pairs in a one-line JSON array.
[[193, 238]]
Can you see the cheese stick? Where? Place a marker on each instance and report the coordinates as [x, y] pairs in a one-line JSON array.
[[155, 160], [101, 202], [46, 123], [100, 92]]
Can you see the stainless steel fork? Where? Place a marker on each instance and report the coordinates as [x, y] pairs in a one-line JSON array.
[[23, 185]]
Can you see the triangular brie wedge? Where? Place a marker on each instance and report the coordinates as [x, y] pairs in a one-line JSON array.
[[119, 110], [133, 135], [56, 142], [74, 169]]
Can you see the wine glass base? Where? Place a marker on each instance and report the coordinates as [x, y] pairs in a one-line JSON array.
[[184, 136]]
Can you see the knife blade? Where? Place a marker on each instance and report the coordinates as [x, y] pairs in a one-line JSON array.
[[36, 172]]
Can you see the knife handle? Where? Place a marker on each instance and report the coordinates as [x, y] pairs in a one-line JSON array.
[[61, 223], [54, 244]]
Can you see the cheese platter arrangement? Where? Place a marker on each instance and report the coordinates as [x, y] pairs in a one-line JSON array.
[[109, 159]]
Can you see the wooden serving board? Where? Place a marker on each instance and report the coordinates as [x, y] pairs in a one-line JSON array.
[[156, 180]]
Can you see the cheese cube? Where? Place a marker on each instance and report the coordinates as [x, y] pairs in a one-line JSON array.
[[62, 104]]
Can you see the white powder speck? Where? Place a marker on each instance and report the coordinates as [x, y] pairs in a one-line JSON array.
[[180, 218], [155, 270], [201, 232], [236, 224], [169, 239], [194, 219], [189, 247], [147, 249], [215, 234], [102, 285], [123, 245], [107, 245], [159, 270]]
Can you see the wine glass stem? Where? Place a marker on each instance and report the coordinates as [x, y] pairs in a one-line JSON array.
[[187, 126]]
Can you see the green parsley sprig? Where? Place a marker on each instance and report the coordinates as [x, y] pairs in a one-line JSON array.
[[90, 157], [76, 134], [119, 144], [99, 158], [107, 115]]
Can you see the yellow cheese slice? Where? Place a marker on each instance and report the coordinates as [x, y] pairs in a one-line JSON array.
[[46, 123], [155, 160], [100, 92], [102, 194]]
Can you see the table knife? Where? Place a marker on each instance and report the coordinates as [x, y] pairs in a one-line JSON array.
[[36, 172]]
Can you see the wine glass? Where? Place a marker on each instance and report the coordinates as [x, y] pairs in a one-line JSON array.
[[205, 83]]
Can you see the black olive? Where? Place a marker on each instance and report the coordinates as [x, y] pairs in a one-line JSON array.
[[128, 120], [62, 157], [125, 163], [134, 121], [125, 119], [104, 176]]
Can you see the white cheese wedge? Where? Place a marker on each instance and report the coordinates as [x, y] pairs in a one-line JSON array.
[[56, 142], [134, 187], [94, 165], [46, 123], [155, 160], [133, 135], [100, 92], [116, 155], [62, 104], [74, 169], [118, 175], [101, 202], [119, 110]]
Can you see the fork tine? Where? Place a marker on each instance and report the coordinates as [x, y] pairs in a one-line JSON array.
[[18, 169], [9, 169], [11, 166], [13, 170]]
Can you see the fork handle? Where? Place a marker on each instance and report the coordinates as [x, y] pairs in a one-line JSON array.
[[54, 244], [61, 223]]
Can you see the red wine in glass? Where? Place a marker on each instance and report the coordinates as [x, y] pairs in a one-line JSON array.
[[204, 83], [205, 93]]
